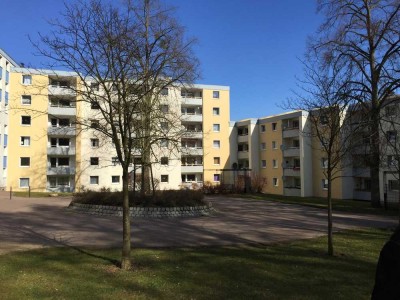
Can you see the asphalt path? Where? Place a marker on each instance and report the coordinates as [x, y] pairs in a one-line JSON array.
[[28, 223]]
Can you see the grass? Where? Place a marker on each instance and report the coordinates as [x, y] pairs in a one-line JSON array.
[[354, 206], [299, 270], [39, 194]]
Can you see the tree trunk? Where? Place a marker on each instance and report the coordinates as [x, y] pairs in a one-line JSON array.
[[375, 160], [330, 222], [398, 193], [152, 181], [126, 223]]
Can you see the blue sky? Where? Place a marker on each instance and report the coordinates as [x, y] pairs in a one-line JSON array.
[[253, 46]]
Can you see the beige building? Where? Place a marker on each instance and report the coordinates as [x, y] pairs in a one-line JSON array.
[[51, 152]]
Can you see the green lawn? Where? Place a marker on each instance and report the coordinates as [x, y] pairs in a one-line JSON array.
[[355, 206], [299, 270]]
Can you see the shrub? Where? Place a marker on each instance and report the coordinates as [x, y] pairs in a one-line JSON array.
[[165, 198]]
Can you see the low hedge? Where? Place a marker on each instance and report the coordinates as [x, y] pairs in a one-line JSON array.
[[165, 198]]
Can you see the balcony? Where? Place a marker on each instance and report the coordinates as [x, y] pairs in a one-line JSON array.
[[361, 172], [292, 191], [192, 118], [291, 132], [193, 134], [57, 90], [191, 151], [61, 170], [243, 154], [192, 169], [291, 152], [62, 111], [64, 151], [61, 131], [243, 138], [291, 171], [191, 100]]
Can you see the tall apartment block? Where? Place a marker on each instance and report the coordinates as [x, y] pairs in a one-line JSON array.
[[6, 62], [51, 152]]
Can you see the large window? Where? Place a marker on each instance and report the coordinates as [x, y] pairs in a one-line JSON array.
[[24, 182], [26, 79], [25, 141], [26, 100], [94, 179], [26, 120], [25, 161], [94, 161]]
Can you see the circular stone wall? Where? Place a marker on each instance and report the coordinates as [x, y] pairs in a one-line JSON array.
[[143, 212]]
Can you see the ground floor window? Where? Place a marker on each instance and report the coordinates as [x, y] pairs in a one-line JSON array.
[[24, 182], [393, 185]]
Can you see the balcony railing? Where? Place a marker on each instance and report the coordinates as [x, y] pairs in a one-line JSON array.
[[60, 170], [61, 151], [61, 131]]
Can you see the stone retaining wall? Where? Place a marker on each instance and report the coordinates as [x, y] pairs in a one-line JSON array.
[[143, 212]]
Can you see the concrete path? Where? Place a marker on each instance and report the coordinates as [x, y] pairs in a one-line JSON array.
[[27, 223]]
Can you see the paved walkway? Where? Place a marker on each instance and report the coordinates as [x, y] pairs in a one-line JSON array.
[[27, 223]]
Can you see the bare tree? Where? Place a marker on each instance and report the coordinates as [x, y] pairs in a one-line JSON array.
[[323, 95], [363, 38], [124, 56]]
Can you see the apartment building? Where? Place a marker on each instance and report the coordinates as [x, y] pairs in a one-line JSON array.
[[50, 151], [6, 62]]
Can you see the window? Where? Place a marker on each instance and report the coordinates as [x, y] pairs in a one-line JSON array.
[[217, 177], [216, 111], [392, 161], [263, 146], [64, 123], [274, 163], [94, 161], [7, 77], [63, 161], [325, 184], [273, 126], [94, 143], [217, 160], [52, 182], [5, 140], [63, 181], [164, 161], [164, 125], [26, 79], [25, 141], [62, 142], [263, 163], [216, 127], [164, 178], [323, 120], [6, 98], [1, 94], [262, 128], [296, 144], [114, 160], [390, 111], [94, 124], [216, 144], [137, 160], [94, 179], [4, 162], [273, 144], [295, 124], [164, 108], [215, 94], [164, 92], [24, 182], [164, 143], [25, 120], [275, 181], [25, 161], [115, 179], [94, 105], [324, 162], [324, 142], [94, 86], [391, 136], [26, 100], [393, 185]]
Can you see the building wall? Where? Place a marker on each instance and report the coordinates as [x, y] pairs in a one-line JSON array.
[[209, 102], [37, 131], [269, 154]]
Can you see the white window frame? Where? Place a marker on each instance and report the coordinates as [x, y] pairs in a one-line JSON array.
[[25, 186], [26, 76], [275, 181], [94, 177], [161, 178], [216, 111], [25, 97], [216, 95], [218, 142], [216, 125], [275, 163], [263, 163], [22, 141]]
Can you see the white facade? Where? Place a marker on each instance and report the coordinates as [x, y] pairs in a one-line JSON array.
[[6, 62]]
